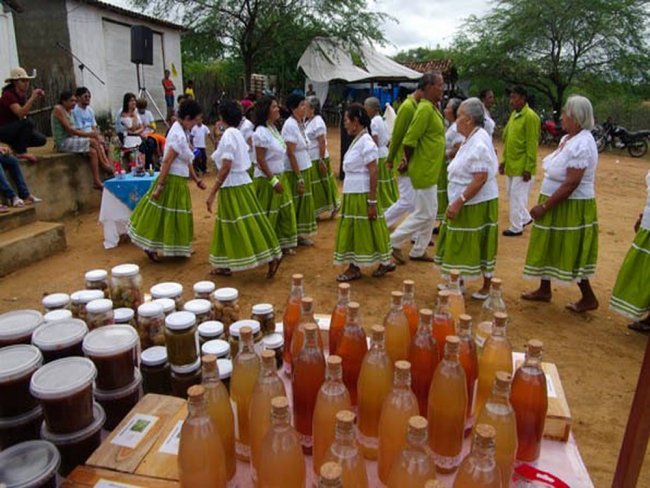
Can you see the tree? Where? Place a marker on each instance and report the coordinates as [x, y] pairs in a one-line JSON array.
[[423, 54]]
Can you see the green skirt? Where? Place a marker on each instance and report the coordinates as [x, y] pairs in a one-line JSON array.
[[631, 294], [243, 237], [278, 207], [360, 241], [303, 204], [164, 225], [563, 244], [323, 188], [387, 192], [469, 242], [443, 198]]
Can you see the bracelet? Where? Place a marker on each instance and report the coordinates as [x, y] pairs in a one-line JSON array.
[[371, 202], [462, 197], [274, 181]]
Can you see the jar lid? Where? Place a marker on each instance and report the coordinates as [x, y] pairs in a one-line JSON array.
[[273, 341], [102, 305], [154, 356], [56, 300], [187, 368], [226, 294], [123, 314], [96, 275], [22, 419], [167, 304], [225, 368], [168, 289], [111, 340], [19, 323], [85, 296], [58, 314], [28, 464], [236, 326], [217, 347], [198, 306], [111, 395], [17, 361], [99, 417], [150, 309], [58, 335], [204, 287], [211, 328], [262, 309], [125, 270], [180, 320], [62, 378]]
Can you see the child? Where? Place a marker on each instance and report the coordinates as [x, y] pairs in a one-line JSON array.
[[198, 134]]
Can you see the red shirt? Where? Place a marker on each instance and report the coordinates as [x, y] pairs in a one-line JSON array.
[[168, 85], [9, 97]]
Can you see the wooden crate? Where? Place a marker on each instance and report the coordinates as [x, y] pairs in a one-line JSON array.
[[87, 476]]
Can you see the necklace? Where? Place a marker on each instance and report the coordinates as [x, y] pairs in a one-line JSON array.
[[301, 127], [276, 135], [356, 138]]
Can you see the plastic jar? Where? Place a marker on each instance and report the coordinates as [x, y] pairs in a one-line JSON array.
[[210, 331], [225, 371], [60, 339], [99, 313], [20, 428], [56, 315], [65, 390], [181, 339], [171, 290], [234, 335], [114, 350], [201, 308], [76, 447], [156, 373], [203, 289], [168, 305], [56, 301], [118, 403], [124, 316], [264, 314], [97, 279], [226, 306], [275, 343], [82, 298], [31, 464], [185, 376], [126, 286], [218, 348], [151, 324], [17, 365], [16, 327]]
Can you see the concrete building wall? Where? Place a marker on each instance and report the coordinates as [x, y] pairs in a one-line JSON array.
[[8, 52]]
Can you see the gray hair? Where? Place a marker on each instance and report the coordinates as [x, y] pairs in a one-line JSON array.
[[315, 104], [454, 103], [373, 103], [429, 78], [579, 109], [475, 110]]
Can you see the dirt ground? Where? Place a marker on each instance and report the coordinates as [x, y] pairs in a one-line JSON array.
[[597, 356]]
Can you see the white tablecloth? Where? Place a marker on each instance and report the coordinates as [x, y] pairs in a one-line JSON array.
[[114, 216]]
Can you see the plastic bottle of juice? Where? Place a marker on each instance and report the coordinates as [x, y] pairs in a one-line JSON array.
[[219, 410], [291, 317], [399, 406], [530, 402], [268, 386], [352, 348], [332, 398], [443, 322], [201, 460], [308, 376], [344, 451], [423, 356], [245, 370], [469, 362], [397, 334], [331, 475], [306, 317], [494, 303], [447, 409], [409, 306], [375, 382], [479, 468], [414, 464], [283, 463], [456, 300], [339, 316]]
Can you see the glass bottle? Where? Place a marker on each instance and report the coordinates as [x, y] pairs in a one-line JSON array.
[[469, 362], [447, 409], [494, 303], [306, 317], [332, 397], [409, 306], [496, 356], [331, 475], [339, 316], [443, 322], [375, 382], [434, 484], [498, 413], [352, 348], [267, 387], [283, 463], [220, 411], [479, 468], [344, 451], [530, 402], [423, 356], [456, 300], [397, 334], [291, 317], [414, 464], [199, 445], [308, 376], [246, 369], [399, 406]]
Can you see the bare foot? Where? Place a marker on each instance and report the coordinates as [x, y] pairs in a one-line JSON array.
[[536, 296], [583, 305], [221, 272], [27, 157]]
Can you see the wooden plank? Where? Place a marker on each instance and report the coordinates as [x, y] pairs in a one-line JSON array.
[[86, 476]]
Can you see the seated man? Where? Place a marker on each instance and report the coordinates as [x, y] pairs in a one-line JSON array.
[[10, 168]]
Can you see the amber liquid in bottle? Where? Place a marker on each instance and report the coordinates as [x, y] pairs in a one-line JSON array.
[[220, 411], [409, 306], [456, 299], [245, 371], [283, 463], [469, 361], [291, 318], [399, 406], [339, 317], [423, 356], [352, 348], [479, 469], [397, 334], [530, 402], [375, 382], [268, 386], [200, 450], [443, 322], [344, 451], [414, 464], [308, 376], [332, 397], [306, 317]]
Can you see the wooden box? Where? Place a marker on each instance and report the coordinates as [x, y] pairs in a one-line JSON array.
[[87, 477]]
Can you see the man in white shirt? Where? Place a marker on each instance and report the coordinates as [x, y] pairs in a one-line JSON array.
[[197, 138], [83, 114], [487, 99]]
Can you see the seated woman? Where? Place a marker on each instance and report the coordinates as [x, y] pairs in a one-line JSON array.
[[130, 128], [10, 166], [153, 145], [67, 138]]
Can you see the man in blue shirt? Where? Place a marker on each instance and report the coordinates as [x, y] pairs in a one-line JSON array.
[[83, 114]]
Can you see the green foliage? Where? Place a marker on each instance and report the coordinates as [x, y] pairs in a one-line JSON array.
[[214, 80], [424, 54]]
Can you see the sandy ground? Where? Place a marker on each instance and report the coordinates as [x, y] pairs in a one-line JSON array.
[[598, 358]]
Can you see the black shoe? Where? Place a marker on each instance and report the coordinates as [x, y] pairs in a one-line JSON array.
[[436, 231], [509, 233], [528, 223]]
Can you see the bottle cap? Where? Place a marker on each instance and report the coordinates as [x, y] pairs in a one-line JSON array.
[[443, 295], [110, 340], [345, 417], [85, 296], [60, 334], [101, 305], [418, 423], [331, 472], [19, 323], [210, 329], [464, 321], [154, 356], [353, 309], [426, 314], [297, 279], [454, 274], [344, 288], [502, 378], [500, 319], [198, 306], [262, 309], [150, 309], [484, 435], [168, 289], [204, 287], [268, 358], [96, 275], [56, 300], [403, 366], [496, 283], [209, 362], [245, 333], [334, 360], [273, 341], [62, 378], [18, 361], [216, 347], [226, 294], [535, 346], [279, 404], [195, 392], [237, 327], [307, 303], [452, 344], [396, 296], [168, 305], [56, 315], [180, 320], [408, 285], [125, 270], [377, 332]]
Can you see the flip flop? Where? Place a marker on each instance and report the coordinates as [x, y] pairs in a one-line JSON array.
[[152, 255], [425, 258], [573, 307], [221, 272], [344, 277], [639, 326], [383, 270], [531, 297]]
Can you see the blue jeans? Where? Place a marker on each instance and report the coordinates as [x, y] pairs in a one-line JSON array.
[[11, 166]]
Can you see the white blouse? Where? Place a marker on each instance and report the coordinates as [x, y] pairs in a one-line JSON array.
[[577, 152], [127, 124], [275, 150], [178, 140], [294, 133], [314, 129], [379, 129], [359, 155], [452, 137], [645, 220], [247, 128], [233, 147], [489, 124], [476, 155]]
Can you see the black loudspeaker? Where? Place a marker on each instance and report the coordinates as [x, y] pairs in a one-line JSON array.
[[141, 44]]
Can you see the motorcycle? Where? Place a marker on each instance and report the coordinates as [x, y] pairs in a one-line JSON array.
[[551, 132], [620, 138]]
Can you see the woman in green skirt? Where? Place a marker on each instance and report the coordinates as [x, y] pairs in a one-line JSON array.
[[270, 180], [453, 140], [162, 221], [631, 294], [563, 244], [323, 181], [387, 193], [362, 237], [243, 236], [299, 168], [469, 235]]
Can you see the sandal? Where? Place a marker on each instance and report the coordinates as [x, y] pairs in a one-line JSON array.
[[3, 208], [33, 199], [152, 255], [639, 326], [533, 296], [345, 277], [273, 268], [384, 269], [221, 272], [17, 202], [577, 308], [425, 258]]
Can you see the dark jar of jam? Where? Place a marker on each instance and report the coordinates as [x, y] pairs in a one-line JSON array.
[[118, 403], [30, 464], [156, 373], [185, 376], [60, 339], [114, 351], [17, 365]]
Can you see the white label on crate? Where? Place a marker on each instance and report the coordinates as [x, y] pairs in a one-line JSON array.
[[112, 484], [135, 430], [170, 446], [550, 387]]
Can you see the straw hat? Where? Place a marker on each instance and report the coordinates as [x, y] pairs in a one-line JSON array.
[[18, 74]]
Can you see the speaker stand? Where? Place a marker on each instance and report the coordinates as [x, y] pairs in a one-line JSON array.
[[144, 93]]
